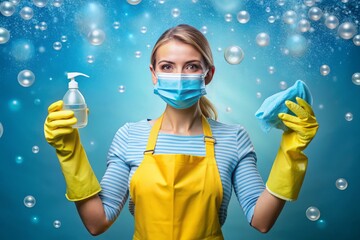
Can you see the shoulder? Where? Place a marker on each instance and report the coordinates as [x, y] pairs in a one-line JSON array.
[[139, 127], [217, 126]]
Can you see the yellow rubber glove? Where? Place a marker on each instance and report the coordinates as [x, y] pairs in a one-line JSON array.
[[288, 171], [81, 182]]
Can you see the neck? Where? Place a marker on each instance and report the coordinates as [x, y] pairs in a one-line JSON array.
[[182, 121]]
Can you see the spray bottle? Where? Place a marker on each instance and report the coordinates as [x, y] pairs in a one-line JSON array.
[[75, 101]]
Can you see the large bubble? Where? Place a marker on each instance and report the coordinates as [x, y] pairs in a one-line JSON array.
[[134, 2], [263, 39], [331, 22], [7, 8], [296, 44], [26, 78], [341, 184], [356, 78], [4, 35], [96, 37], [243, 17], [315, 13], [234, 54], [289, 17], [313, 213], [40, 3], [26, 13], [29, 201], [347, 30], [1, 129]]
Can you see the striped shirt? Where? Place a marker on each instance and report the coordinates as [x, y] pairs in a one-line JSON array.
[[234, 154]]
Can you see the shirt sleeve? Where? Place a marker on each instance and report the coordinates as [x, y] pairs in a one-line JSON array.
[[247, 182], [114, 183]]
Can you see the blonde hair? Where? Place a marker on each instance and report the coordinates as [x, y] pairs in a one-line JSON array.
[[190, 35]]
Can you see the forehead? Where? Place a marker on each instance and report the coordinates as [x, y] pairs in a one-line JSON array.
[[175, 50]]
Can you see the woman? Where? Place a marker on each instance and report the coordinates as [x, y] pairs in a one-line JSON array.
[[178, 170]]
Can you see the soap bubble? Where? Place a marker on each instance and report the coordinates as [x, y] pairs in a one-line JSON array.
[[349, 117], [137, 54], [143, 29], [175, 12], [40, 3], [258, 95], [26, 78], [26, 13], [57, 224], [64, 38], [96, 37], [234, 54], [15, 2], [281, 2], [35, 149], [90, 59], [263, 39], [296, 44], [4, 35], [303, 25], [121, 89], [134, 2], [228, 109], [1, 129], [283, 85], [37, 101], [347, 30], [271, 69], [228, 17], [161, 1], [313, 213], [356, 78], [324, 70], [29, 201], [356, 40], [19, 159], [341, 184], [57, 3], [344, 1], [267, 9], [116, 25], [315, 13], [57, 46], [43, 26], [271, 19], [289, 17], [7, 8], [331, 22], [204, 29], [309, 3], [243, 17]]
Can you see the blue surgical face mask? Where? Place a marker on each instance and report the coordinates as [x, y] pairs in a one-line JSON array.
[[180, 90]]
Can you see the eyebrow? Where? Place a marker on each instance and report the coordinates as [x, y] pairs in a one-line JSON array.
[[191, 61]]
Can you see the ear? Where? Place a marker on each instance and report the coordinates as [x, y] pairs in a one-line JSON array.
[[153, 75], [209, 75]]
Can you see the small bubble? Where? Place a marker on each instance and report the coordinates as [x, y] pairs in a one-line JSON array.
[[57, 3], [90, 59], [204, 29], [35, 149], [57, 46], [324, 70], [19, 160], [234, 54], [228, 109], [29, 201], [121, 89], [57, 224], [283, 85], [348, 117], [43, 26], [143, 29], [63, 38], [35, 219], [341, 184], [271, 69], [134, 2], [243, 17], [271, 19], [1, 129], [258, 95], [313, 213], [137, 54], [175, 12], [37, 101], [26, 78], [116, 25], [356, 78], [228, 17]]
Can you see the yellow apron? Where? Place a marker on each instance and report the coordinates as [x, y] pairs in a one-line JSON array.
[[177, 196]]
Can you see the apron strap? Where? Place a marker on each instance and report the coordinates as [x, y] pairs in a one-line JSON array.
[[208, 138]]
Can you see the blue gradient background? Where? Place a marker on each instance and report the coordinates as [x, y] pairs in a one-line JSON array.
[[333, 154]]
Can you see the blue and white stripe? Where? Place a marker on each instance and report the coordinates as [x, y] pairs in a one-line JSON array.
[[234, 153]]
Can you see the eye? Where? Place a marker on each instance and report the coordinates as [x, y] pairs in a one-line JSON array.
[[166, 67], [192, 67]]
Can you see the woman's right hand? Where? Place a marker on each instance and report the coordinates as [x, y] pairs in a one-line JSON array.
[[58, 128]]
